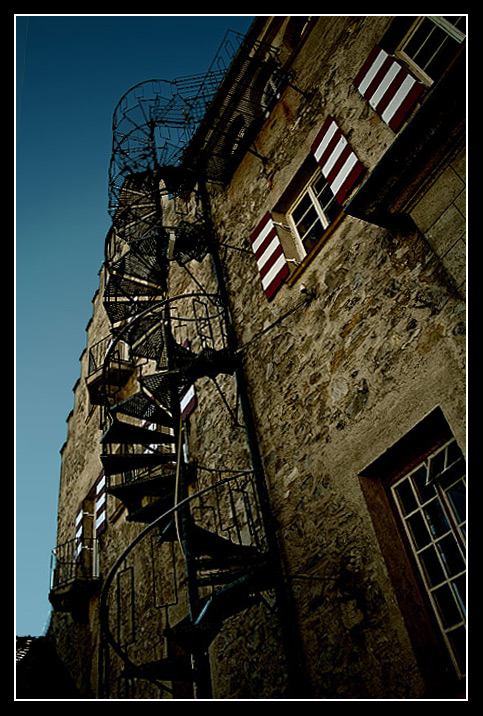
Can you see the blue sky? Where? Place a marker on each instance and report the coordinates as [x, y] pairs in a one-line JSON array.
[[71, 70]]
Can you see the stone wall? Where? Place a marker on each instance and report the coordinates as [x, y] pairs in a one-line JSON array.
[[340, 380], [356, 349]]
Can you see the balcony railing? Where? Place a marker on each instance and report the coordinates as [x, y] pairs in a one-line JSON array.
[[98, 353], [110, 366], [75, 560]]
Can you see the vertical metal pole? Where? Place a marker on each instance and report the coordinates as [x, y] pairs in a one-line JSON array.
[[299, 685], [200, 658]]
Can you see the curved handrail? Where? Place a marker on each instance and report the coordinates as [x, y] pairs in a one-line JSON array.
[[122, 333], [107, 582]]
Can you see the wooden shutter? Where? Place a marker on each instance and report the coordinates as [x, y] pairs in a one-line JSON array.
[[388, 87], [268, 251], [339, 163], [100, 505], [188, 400], [79, 532]]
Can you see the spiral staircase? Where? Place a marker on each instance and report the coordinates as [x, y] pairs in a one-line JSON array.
[[204, 536], [206, 552]]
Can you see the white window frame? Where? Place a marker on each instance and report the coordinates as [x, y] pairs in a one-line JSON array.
[[309, 191], [451, 31], [454, 528]]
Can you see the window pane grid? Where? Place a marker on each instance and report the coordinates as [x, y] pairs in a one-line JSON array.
[[433, 43], [313, 212], [430, 501]]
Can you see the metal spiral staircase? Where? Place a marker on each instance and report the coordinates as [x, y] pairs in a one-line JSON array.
[[206, 553]]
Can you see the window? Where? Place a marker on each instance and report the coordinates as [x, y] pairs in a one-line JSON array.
[[416, 495], [294, 229], [431, 504], [431, 44], [312, 213]]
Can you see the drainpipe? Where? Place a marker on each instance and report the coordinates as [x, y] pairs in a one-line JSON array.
[[299, 685]]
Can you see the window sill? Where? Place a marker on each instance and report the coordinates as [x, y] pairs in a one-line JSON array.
[[307, 260]]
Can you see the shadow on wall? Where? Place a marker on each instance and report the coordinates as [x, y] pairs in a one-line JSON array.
[[40, 673]]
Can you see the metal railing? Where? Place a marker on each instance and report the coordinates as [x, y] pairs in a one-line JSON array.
[[224, 508], [99, 351], [76, 559]]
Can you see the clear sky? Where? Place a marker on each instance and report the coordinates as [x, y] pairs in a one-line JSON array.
[[71, 70]]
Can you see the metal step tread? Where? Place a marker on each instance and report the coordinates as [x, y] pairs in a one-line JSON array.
[[210, 544], [222, 604], [148, 513], [143, 407], [120, 432], [157, 486], [119, 463]]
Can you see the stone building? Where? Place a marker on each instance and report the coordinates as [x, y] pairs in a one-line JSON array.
[[262, 492]]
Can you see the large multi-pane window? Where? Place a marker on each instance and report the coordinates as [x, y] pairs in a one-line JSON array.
[[312, 213], [431, 500], [432, 43]]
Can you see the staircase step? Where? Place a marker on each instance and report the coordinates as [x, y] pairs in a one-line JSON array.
[[158, 386], [145, 408], [120, 463], [211, 545], [122, 285], [207, 363], [139, 266], [120, 307], [133, 491], [224, 603], [146, 336], [151, 511], [120, 432]]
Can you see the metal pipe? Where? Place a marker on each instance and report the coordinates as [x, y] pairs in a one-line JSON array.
[[297, 673]]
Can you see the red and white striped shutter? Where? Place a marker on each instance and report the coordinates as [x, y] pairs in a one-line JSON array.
[[388, 87], [188, 400], [79, 531], [339, 163], [268, 251], [100, 505]]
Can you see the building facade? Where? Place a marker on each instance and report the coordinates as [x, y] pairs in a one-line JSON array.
[[263, 483]]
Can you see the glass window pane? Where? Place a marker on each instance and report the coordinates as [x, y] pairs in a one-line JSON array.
[[419, 38], [406, 497], [427, 516], [320, 186], [312, 237], [302, 207], [433, 45], [432, 567], [457, 498], [438, 64], [325, 197], [419, 531], [307, 221], [429, 45], [451, 555], [436, 465], [425, 492], [436, 519], [459, 588], [453, 452], [332, 210], [446, 605]]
